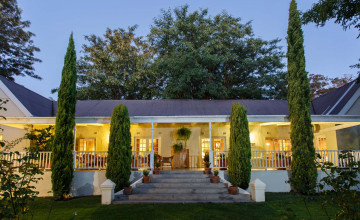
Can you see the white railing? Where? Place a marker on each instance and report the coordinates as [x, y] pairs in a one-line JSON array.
[[43, 161], [90, 160], [282, 159], [220, 159], [140, 160]]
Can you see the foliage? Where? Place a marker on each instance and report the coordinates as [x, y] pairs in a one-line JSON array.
[[343, 184], [303, 168], [345, 12], [119, 152], [62, 158], [239, 167], [206, 157], [207, 164], [116, 66], [216, 172], [203, 57], [17, 178], [41, 139], [157, 164], [146, 173], [321, 85], [184, 134], [177, 147], [16, 45]]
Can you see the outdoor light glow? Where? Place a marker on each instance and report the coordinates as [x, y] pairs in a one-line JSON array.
[[252, 138]]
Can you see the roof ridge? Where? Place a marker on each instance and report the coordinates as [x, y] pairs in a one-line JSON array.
[[328, 93]]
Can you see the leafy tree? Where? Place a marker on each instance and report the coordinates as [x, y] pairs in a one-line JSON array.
[[41, 139], [345, 12], [304, 173], [240, 148], [116, 66], [320, 84], [62, 159], [203, 57], [119, 152], [16, 47]]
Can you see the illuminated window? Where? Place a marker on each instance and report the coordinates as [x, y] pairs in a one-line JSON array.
[[87, 144], [277, 144], [218, 144], [144, 144], [321, 143]]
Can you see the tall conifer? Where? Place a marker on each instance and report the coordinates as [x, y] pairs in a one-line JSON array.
[[304, 174], [240, 148], [62, 159], [119, 159]]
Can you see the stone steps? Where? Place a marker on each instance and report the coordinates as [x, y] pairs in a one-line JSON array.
[[180, 187]]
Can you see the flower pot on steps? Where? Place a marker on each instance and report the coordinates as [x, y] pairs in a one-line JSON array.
[[214, 179], [128, 190], [233, 190], [146, 179]]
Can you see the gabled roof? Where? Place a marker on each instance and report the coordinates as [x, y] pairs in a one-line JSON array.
[[332, 102], [36, 104]]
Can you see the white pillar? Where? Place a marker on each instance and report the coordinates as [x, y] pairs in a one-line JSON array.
[[107, 192], [257, 190], [211, 153], [152, 147]]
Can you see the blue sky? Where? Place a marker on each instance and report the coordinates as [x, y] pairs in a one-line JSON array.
[[329, 50]]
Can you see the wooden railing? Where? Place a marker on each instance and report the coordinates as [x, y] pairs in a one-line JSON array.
[[220, 159], [140, 160], [44, 158], [90, 160]]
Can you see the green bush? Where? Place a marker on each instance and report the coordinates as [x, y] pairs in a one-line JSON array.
[[146, 173], [184, 134], [177, 147], [239, 167], [119, 153]]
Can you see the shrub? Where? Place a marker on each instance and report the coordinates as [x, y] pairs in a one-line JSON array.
[[177, 147], [119, 153], [216, 173], [184, 133], [146, 173], [239, 167]]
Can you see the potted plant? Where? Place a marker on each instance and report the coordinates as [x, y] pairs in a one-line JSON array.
[[146, 177], [127, 189], [184, 134], [157, 168], [177, 147], [215, 177], [207, 163], [233, 190]]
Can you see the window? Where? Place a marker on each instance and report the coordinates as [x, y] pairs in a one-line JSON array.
[[321, 143], [218, 145], [144, 144], [87, 144], [277, 144]]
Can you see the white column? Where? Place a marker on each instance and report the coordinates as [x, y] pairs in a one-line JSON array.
[[152, 147], [211, 153]]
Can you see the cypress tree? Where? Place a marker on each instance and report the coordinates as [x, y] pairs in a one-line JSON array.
[[304, 174], [240, 148], [119, 158], [62, 159]]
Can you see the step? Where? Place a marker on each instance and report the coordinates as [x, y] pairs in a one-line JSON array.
[[181, 172], [200, 190], [180, 176], [181, 185], [189, 197], [174, 180], [117, 202]]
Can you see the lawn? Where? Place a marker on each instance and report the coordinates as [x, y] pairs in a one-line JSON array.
[[278, 205]]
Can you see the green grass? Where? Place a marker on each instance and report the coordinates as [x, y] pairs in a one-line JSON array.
[[277, 206]]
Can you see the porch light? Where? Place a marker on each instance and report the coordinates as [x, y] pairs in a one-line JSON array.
[[252, 137]]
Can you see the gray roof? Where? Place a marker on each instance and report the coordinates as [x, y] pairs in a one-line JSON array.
[[36, 104], [40, 106]]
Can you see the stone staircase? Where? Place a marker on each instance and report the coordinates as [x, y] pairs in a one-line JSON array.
[[181, 187]]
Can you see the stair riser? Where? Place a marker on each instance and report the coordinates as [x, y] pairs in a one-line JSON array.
[[205, 180], [181, 172], [180, 176], [180, 191], [181, 185], [187, 197]]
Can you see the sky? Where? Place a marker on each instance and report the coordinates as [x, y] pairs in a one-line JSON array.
[[329, 50]]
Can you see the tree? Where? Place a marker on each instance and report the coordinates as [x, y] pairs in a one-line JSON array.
[[62, 158], [240, 148], [320, 84], [200, 57], [119, 152], [345, 12], [117, 66], [303, 168], [16, 45]]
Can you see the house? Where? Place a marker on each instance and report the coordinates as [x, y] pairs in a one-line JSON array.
[[335, 118]]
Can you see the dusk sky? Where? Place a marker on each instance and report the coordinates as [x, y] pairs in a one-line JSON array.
[[329, 50]]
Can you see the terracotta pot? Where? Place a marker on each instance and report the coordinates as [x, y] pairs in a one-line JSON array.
[[128, 190], [233, 190], [214, 179], [156, 170], [146, 179], [207, 170]]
